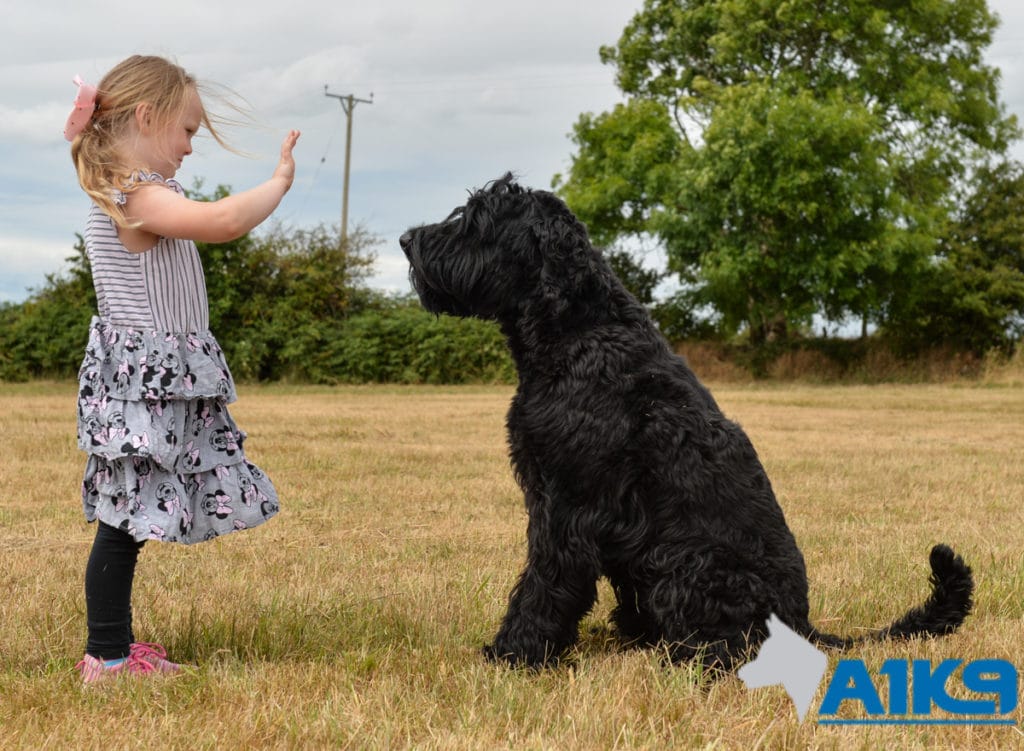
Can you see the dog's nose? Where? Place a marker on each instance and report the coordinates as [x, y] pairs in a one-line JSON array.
[[405, 239]]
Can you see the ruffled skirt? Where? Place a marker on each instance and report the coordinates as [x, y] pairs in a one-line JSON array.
[[166, 460]]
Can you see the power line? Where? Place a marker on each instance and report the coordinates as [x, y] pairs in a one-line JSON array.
[[316, 172]]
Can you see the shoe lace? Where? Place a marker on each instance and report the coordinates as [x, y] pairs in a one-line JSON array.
[[138, 665], [143, 649]]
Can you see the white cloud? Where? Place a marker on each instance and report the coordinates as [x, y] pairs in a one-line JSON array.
[[34, 124], [34, 255], [26, 261], [463, 90]]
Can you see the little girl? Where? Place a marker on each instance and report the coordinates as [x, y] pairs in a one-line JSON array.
[[165, 457]]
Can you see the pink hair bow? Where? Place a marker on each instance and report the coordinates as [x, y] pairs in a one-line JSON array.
[[85, 105]]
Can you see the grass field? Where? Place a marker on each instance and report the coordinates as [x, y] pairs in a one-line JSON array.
[[354, 619]]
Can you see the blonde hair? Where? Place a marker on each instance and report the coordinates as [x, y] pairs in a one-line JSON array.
[[166, 87]]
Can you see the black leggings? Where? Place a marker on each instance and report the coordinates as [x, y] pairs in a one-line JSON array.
[[108, 592]]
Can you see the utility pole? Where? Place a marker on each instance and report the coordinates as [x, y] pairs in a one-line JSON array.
[[348, 103]]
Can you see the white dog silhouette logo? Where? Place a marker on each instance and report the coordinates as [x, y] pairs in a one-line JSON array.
[[786, 657]]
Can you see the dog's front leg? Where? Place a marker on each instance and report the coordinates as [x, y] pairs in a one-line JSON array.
[[554, 591]]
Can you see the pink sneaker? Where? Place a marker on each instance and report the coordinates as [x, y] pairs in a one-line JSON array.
[[94, 669], [155, 656]]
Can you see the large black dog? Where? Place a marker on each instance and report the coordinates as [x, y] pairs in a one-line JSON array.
[[629, 468]]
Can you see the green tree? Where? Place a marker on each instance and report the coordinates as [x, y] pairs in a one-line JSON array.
[[637, 278], [972, 296], [45, 336], [274, 295], [317, 283], [794, 157], [396, 341]]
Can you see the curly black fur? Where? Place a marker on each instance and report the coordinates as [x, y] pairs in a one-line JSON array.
[[628, 466]]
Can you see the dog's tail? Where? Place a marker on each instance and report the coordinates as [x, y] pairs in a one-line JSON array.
[[942, 613]]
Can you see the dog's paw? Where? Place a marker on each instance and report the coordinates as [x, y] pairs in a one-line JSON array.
[[492, 653]]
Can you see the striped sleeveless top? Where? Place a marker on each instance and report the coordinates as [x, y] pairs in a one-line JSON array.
[[160, 289]]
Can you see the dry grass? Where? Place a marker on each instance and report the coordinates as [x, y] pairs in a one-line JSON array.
[[354, 619]]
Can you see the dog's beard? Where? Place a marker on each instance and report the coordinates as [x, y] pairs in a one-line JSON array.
[[433, 299], [428, 297]]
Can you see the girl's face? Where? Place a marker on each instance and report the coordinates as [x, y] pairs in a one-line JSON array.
[[162, 149]]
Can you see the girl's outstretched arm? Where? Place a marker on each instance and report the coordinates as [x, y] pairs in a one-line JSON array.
[[166, 213]]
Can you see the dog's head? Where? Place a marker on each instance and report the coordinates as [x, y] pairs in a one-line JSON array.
[[506, 249]]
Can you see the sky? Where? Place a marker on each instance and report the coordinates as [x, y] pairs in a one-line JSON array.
[[462, 92]]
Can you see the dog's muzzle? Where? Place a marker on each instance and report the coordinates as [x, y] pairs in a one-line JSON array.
[[410, 248]]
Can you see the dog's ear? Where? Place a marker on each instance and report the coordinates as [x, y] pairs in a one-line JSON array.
[[572, 271]]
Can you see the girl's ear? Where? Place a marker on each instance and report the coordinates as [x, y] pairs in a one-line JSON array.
[[143, 112]]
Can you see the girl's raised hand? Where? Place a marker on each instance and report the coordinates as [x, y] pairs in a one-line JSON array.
[[158, 211], [286, 166]]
